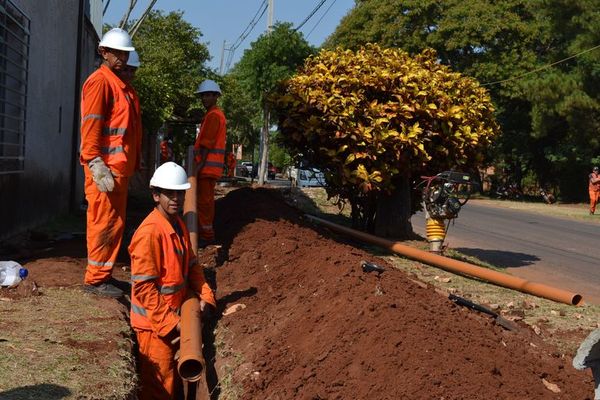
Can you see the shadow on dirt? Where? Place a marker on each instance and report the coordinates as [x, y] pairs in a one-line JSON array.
[[499, 258], [208, 338], [42, 391]]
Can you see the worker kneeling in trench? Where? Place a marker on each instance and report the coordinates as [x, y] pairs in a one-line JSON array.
[[161, 259]]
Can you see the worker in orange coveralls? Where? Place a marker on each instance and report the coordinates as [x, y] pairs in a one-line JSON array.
[[166, 149], [231, 165], [594, 189], [110, 154], [163, 269], [209, 151]]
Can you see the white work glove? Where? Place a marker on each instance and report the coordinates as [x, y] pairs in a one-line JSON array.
[[101, 175]]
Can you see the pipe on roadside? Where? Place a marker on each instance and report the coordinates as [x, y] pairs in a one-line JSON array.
[[191, 361], [459, 267]]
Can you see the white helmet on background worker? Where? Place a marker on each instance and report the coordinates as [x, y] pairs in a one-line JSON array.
[[208, 86], [134, 59], [170, 176], [117, 39]]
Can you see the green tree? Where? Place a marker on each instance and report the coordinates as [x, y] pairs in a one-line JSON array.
[[273, 57], [549, 118], [173, 59], [375, 120], [241, 111]]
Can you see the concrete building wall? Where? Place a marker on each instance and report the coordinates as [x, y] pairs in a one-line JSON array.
[[51, 182]]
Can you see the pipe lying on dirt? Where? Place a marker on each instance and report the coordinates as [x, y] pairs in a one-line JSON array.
[[459, 267], [191, 361]]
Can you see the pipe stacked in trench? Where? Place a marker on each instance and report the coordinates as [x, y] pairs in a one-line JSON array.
[[459, 267]]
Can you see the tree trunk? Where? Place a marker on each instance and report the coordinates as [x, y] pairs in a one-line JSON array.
[[264, 152], [394, 212]]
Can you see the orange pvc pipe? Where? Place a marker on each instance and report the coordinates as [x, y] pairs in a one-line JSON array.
[[191, 361], [190, 215], [460, 267]]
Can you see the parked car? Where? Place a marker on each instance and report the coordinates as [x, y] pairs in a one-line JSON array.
[[246, 169], [271, 171], [307, 177]]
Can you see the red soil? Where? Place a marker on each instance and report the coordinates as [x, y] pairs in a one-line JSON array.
[[315, 326]]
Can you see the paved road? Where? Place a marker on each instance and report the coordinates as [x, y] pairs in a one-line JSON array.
[[556, 251]]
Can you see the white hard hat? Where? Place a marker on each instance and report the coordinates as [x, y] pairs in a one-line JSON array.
[[170, 176], [208, 86], [117, 39], [134, 59]]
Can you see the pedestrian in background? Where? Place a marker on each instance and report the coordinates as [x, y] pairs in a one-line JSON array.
[[594, 189], [166, 148], [209, 150], [163, 269], [110, 154], [231, 162]]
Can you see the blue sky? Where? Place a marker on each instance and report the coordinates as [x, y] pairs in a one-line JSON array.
[[226, 20]]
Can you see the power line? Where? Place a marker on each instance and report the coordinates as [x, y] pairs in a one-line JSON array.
[[251, 25], [310, 15], [259, 13], [514, 78], [320, 19]]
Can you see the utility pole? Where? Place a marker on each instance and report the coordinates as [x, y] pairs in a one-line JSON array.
[[222, 57], [263, 150], [270, 17]]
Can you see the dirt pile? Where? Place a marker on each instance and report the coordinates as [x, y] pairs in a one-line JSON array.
[[315, 326]]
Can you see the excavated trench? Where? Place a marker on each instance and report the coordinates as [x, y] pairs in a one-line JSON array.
[[310, 324]]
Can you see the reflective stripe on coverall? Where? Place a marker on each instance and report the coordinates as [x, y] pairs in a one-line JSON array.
[[211, 136], [162, 267], [110, 129]]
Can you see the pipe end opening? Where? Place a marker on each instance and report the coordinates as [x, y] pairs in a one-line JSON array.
[[577, 300], [191, 370]]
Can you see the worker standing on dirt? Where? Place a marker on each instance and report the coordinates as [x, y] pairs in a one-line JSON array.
[[594, 189], [163, 269], [110, 151], [209, 150]]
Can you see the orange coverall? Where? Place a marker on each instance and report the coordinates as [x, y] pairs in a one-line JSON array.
[[211, 137], [594, 190], [163, 268], [230, 165], [166, 151], [110, 129]]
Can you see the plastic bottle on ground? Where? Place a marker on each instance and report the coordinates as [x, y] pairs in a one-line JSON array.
[[11, 273]]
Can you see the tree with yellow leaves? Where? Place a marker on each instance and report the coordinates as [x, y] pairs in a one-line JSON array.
[[375, 120]]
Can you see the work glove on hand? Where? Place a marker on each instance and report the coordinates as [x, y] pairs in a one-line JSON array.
[[102, 175]]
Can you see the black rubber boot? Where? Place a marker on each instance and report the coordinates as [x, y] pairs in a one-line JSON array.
[[104, 289]]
